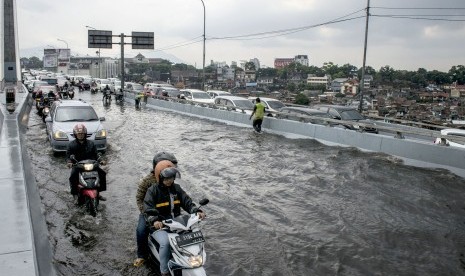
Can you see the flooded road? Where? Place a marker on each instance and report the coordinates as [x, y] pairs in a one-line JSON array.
[[278, 206]]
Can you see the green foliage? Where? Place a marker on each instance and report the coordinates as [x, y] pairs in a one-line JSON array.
[[301, 99]]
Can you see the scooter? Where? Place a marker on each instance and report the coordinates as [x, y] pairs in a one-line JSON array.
[[89, 182], [46, 107], [186, 243], [106, 97], [71, 92], [119, 96]]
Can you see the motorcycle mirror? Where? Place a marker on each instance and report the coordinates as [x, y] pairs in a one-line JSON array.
[[72, 157]]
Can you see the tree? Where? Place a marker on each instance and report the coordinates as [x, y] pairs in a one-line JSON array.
[[301, 99], [457, 74]]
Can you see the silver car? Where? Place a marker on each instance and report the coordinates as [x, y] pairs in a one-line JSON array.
[[64, 115]]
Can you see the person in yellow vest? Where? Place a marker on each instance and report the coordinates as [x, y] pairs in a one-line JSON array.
[[258, 114]]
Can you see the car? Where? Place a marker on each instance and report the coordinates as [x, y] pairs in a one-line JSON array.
[[272, 105], [64, 115], [36, 87], [304, 114], [347, 113], [102, 83], [171, 92], [215, 93], [196, 96], [133, 87], [235, 103], [153, 86], [85, 84], [449, 142]]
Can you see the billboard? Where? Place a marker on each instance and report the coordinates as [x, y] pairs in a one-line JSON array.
[[50, 60], [64, 55]]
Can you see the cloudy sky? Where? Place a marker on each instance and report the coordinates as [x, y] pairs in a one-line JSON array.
[[403, 34]]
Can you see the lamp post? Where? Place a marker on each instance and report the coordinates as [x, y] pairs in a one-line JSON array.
[[97, 52], [64, 42], [203, 66], [67, 57]]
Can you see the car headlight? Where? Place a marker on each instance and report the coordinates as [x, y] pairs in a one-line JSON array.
[[101, 134], [60, 135], [195, 261]]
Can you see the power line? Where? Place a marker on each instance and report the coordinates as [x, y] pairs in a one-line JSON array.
[[389, 8], [287, 31], [419, 18]]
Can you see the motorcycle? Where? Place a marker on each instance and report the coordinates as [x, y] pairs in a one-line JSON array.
[[119, 96], [186, 244], [89, 182], [106, 97], [71, 92], [46, 107]]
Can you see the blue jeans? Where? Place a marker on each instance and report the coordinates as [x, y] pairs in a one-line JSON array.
[[142, 233], [161, 237]]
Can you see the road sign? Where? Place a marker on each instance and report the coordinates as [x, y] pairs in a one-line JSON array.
[[142, 40], [100, 39]]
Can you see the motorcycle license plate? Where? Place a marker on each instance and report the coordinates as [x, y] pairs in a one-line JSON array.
[[87, 175], [189, 238]]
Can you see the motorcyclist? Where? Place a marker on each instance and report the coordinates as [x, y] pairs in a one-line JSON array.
[[51, 95], [106, 90], [142, 230], [83, 149], [164, 201]]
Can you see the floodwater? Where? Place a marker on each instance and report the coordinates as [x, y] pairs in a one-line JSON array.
[[278, 206]]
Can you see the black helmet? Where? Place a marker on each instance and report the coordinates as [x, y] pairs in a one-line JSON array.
[[164, 156]]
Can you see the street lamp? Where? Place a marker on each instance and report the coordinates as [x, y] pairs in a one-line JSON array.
[[64, 42], [98, 52], [203, 66]]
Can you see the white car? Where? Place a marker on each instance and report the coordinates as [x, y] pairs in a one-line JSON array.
[[234, 103], [451, 131], [272, 105], [215, 93], [197, 96]]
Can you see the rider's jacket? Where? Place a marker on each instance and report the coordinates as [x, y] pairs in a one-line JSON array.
[[81, 151], [144, 185], [157, 202]]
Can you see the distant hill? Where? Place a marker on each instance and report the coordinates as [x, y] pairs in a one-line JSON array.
[[39, 52]]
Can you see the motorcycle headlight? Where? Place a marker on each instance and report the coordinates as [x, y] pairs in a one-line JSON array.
[[60, 135], [195, 261], [101, 134], [88, 167]]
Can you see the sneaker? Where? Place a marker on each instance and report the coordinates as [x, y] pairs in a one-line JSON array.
[[102, 198], [138, 262]]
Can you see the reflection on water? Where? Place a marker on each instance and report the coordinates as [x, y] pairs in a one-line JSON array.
[[277, 206]]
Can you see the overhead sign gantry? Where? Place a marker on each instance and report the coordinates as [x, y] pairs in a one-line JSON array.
[[104, 39]]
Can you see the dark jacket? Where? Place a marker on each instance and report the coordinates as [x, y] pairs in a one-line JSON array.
[[157, 205], [84, 151]]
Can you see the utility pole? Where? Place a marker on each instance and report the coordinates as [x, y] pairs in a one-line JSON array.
[[122, 61], [362, 81], [203, 67]]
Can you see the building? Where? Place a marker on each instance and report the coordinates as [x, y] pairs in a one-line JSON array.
[[280, 63], [302, 59], [313, 80]]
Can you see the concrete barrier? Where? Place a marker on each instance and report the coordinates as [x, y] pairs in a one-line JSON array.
[[25, 246], [413, 152]]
